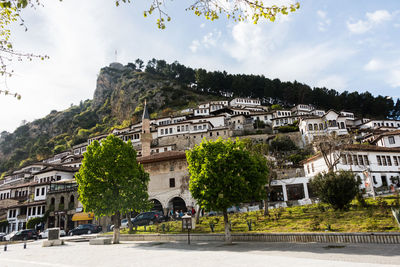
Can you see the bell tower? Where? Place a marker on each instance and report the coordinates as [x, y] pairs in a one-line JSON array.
[[146, 136]]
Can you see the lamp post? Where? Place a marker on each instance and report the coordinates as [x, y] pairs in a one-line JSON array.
[[187, 224]]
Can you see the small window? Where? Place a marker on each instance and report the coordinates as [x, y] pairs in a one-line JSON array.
[[33, 211], [355, 160], [384, 161], [378, 158], [37, 191], [171, 182], [43, 188], [389, 161], [396, 163], [349, 159], [391, 140], [366, 160], [360, 160], [171, 167]]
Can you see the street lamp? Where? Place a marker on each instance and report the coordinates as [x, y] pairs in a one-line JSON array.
[[187, 224]]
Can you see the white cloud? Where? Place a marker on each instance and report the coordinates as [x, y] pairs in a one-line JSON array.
[[265, 50], [379, 16], [202, 25], [209, 40], [394, 78], [374, 65], [333, 81], [324, 21], [194, 46], [372, 20], [387, 70]]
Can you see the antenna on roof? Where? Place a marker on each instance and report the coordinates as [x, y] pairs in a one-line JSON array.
[[116, 55]]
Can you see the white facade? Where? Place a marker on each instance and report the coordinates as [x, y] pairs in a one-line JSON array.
[[389, 139], [201, 112], [380, 164], [330, 123], [283, 121], [245, 102], [281, 113], [374, 124], [301, 109]]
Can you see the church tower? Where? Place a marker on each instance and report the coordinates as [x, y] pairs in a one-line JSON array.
[[146, 136]]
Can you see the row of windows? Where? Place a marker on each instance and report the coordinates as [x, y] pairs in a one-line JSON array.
[[50, 179], [322, 126], [241, 112], [247, 101], [355, 160], [391, 124], [40, 210], [387, 161], [131, 137], [4, 195], [283, 122], [21, 193], [284, 113], [202, 111]]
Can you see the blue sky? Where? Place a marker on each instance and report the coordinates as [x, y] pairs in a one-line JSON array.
[[344, 45]]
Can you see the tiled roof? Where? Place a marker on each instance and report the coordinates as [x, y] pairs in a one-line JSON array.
[[165, 156]]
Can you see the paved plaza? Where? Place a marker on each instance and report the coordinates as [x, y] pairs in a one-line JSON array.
[[200, 254]]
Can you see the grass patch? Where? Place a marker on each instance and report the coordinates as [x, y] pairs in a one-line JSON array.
[[375, 217]]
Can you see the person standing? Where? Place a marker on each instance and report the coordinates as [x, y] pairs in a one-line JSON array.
[[193, 211]]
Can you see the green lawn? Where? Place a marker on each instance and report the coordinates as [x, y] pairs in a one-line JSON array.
[[376, 217]]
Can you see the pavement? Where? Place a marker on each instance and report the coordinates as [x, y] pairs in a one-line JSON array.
[[81, 254]]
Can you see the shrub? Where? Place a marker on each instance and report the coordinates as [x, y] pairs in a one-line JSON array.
[[288, 129], [337, 189], [283, 143], [33, 222]]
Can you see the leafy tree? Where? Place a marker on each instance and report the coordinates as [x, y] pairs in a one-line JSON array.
[[111, 182], [336, 188], [282, 143], [223, 173]]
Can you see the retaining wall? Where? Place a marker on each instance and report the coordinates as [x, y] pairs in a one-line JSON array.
[[377, 238]]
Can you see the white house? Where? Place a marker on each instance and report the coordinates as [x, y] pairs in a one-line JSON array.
[[301, 109], [245, 102], [388, 139], [281, 113], [330, 123], [374, 124], [381, 165]]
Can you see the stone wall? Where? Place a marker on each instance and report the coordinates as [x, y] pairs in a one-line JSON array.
[[377, 238]]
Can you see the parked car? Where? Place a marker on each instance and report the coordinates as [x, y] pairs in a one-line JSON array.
[[85, 229], [25, 235], [45, 233], [124, 224], [9, 236], [148, 218]]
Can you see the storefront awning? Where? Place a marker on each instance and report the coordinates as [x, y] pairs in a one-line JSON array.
[[83, 216]]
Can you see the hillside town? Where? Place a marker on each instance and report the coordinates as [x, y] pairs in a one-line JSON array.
[[373, 154]]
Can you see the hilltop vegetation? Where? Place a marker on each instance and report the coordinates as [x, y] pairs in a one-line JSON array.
[[121, 91]]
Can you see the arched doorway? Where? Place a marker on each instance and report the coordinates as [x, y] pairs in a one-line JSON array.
[[156, 205], [177, 204]]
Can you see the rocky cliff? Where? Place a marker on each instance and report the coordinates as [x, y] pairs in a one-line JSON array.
[[117, 101]]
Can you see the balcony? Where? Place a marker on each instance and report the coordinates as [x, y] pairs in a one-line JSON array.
[[60, 188], [20, 198]]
